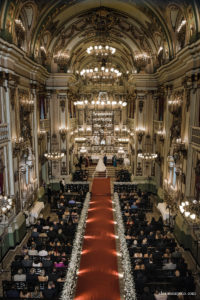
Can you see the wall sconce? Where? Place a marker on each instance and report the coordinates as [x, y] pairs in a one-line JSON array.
[[63, 132], [161, 135], [140, 133], [41, 135], [175, 104]]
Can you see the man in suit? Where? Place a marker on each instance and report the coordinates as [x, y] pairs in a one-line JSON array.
[[105, 160], [26, 262]]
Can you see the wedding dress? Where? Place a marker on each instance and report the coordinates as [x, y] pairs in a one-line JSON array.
[[100, 166]]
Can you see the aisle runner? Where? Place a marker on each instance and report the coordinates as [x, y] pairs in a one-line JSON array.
[[98, 274]]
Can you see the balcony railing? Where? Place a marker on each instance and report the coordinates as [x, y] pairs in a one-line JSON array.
[[3, 133], [195, 139]]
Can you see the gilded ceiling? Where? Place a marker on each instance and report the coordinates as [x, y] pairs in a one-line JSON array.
[[129, 26]]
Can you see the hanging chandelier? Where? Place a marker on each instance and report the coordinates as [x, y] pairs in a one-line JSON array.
[[54, 156], [101, 50], [5, 204], [101, 73], [141, 59], [147, 156], [62, 58], [190, 208], [103, 100]]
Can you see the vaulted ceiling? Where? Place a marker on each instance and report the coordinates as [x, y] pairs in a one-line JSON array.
[[129, 26]]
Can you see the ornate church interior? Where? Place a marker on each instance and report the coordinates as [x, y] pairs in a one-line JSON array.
[[100, 149]]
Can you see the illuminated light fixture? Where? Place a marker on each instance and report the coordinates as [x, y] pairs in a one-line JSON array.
[[100, 73], [160, 50], [101, 50], [183, 23], [19, 26], [121, 150], [141, 59], [61, 58], [80, 139], [193, 216], [54, 156], [123, 140], [6, 204], [63, 131], [181, 209], [147, 156], [83, 150], [117, 129], [42, 48], [187, 213]]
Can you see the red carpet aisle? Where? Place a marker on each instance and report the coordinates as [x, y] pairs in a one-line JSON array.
[[98, 275]]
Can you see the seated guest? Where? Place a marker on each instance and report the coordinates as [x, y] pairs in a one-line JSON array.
[[12, 292], [134, 206], [147, 295], [42, 277], [50, 291], [178, 282], [53, 276], [169, 266], [36, 294], [33, 251], [43, 252], [26, 262], [37, 263], [59, 264], [35, 233], [31, 276], [176, 253], [24, 294], [51, 234], [19, 276], [47, 263], [160, 296]]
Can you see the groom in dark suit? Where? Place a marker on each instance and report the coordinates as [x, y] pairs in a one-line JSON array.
[[105, 160]]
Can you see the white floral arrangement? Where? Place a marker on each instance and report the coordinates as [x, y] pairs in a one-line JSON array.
[[72, 273], [129, 285]]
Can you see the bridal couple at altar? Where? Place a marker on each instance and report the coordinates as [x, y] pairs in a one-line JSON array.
[[101, 166]]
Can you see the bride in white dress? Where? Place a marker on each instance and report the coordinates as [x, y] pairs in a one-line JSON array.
[[100, 166]]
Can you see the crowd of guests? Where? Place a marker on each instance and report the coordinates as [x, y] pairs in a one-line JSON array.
[[39, 271], [80, 175], [157, 263], [123, 176]]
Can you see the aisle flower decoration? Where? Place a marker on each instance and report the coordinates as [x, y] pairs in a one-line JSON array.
[[129, 285], [72, 273]]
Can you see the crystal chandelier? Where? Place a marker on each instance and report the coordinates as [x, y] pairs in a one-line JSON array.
[[147, 156], [61, 58], [100, 50], [54, 156], [141, 59], [19, 26], [5, 204], [174, 104], [190, 208], [101, 73], [103, 100]]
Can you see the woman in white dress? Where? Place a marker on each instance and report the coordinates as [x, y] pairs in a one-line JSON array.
[[100, 166]]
